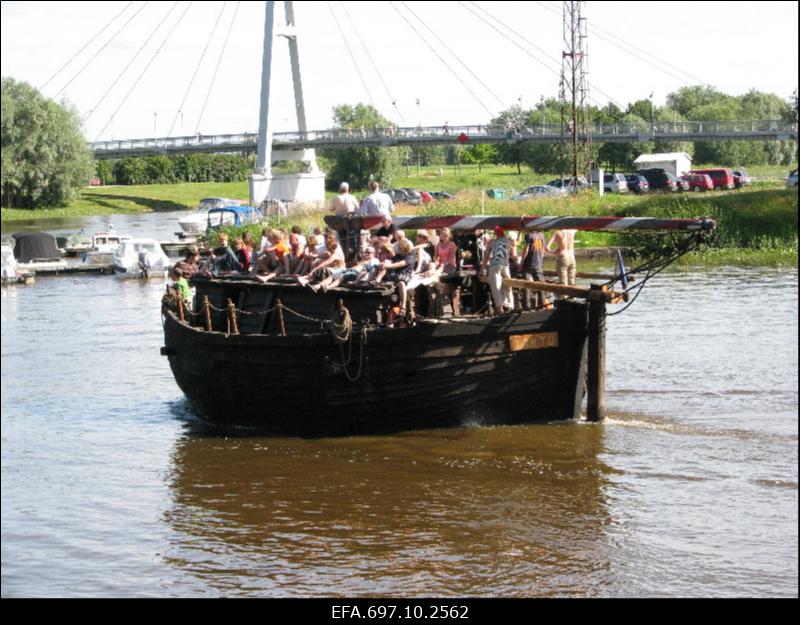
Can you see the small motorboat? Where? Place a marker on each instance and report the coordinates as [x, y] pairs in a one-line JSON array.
[[37, 252], [197, 222], [11, 273], [103, 247], [140, 258]]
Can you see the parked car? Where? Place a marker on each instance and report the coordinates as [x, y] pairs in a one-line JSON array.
[[659, 179], [791, 180], [615, 183], [680, 183], [637, 183], [442, 195], [741, 179], [567, 184], [539, 191], [426, 197], [399, 196], [699, 182], [414, 196], [722, 177]]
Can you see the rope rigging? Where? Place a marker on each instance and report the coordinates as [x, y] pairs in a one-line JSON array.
[[658, 264], [86, 45], [146, 67], [216, 69]]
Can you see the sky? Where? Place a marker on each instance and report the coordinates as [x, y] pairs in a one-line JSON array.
[[143, 69]]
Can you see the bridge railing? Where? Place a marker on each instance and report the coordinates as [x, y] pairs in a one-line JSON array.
[[175, 143], [355, 135], [623, 131]]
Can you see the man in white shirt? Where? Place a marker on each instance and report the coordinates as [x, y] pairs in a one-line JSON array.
[[377, 203]]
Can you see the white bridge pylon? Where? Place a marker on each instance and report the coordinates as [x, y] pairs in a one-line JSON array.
[[308, 187]]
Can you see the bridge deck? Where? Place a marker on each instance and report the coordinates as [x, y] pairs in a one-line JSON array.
[[774, 130]]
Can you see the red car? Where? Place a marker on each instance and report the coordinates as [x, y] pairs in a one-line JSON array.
[[699, 182], [722, 177], [426, 197]]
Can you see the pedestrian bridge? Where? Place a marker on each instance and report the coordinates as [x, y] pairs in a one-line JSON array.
[[774, 130]]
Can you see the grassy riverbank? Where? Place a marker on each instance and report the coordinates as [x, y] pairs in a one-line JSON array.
[[756, 226]]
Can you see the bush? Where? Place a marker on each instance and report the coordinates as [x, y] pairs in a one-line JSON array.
[[177, 168]]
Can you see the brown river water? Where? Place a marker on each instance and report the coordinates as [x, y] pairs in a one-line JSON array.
[[111, 488]]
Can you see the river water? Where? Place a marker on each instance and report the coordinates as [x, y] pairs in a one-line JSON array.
[[689, 488]]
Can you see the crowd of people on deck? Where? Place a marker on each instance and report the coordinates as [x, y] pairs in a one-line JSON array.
[[318, 261]]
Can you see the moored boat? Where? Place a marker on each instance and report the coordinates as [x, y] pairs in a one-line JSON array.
[[290, 361], [37, 252], [197, 222], [140, 258], [103, 247]]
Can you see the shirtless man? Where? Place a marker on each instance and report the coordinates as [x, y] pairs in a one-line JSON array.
[[565, 250]]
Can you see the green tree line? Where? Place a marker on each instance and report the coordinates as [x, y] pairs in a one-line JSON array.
[[175, 168], [45, 159]]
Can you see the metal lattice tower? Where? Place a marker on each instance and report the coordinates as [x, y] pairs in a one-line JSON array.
[[574, 92]]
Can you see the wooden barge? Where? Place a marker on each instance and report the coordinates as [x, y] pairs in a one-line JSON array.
[[289, 361]]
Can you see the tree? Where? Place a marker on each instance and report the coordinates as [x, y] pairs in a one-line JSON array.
[[358, 165], [44, 155], [480, 154]]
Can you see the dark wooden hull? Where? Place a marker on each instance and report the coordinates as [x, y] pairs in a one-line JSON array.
[[517, 368]]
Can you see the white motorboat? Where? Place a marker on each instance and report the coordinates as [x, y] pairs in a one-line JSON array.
[[11, 273], [140, 258], [104, 246], [197, 222]]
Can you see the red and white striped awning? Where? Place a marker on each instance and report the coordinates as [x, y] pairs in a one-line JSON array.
[[462, 223]]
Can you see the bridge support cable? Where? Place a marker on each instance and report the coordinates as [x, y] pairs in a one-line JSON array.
[[149, 63], [104, 46], [86, 45], [370, 58], [352, 56], [503, 105], [216, 69], [127, 66], [445, 63], [209, 39]]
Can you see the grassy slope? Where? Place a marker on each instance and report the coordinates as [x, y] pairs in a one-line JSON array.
[[756, 226]]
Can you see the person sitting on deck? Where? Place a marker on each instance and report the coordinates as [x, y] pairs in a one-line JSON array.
[[328, 269], [223, 257], [293, 261], [357, 273], [271, 260], [242, 254], [310, 256], [252, 247], [400, 270]]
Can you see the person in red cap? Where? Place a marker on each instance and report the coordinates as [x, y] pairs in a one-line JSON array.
[[496, 259]]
